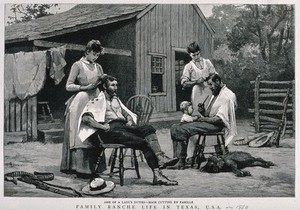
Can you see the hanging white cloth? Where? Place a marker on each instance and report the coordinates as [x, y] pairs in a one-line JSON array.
[[25, 73]]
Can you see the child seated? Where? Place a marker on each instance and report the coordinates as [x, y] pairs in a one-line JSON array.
[[187, 109]]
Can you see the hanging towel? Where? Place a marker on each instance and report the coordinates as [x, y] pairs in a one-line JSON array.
[[58, 63], [30, 73]]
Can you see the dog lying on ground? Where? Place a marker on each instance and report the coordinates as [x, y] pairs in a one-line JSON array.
[[234, 161]]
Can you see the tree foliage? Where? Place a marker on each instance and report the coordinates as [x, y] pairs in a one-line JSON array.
[[252, 40], [223, 18], [27, 12], [271, 28]]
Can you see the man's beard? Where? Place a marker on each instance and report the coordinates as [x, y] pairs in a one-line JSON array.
[[112, 93], [216, 91]]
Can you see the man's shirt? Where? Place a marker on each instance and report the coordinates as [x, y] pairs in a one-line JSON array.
[[114, 110], [97, 109]]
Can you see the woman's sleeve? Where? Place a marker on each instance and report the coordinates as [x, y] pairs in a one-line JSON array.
[[100, 70], [185, 74], [211, 68], [70, 85]]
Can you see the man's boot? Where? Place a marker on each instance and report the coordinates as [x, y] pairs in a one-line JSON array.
[[154, 144], [160, 179]]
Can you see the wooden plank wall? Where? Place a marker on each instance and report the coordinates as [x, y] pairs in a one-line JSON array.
[[163, 28], [21, 116]]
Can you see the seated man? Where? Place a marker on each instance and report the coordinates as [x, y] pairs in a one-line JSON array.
[[219, 113], [114, 123]]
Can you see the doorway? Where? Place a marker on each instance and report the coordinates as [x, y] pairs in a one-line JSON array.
[[182, 94]]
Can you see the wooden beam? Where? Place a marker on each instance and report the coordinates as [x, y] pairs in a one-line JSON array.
[[265, 111], [269, 119], [270, 95], [256, 104], [205, 21], [274, 82], [269, 90], [274, 103], [157, 54], [79, 47], [145, 11], [179, 49]]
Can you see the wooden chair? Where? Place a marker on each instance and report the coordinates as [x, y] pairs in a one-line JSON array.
[[198, 154], [143, 107]]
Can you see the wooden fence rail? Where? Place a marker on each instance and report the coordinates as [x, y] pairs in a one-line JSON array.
[[21, 116], [268, 104]]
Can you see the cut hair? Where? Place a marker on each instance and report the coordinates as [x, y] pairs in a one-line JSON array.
[[105, 79], [214, 77]]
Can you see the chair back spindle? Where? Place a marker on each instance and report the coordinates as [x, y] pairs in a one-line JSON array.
[[142, 106]]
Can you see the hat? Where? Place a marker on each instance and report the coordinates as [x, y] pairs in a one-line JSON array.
[[98, 186], [261, 140]]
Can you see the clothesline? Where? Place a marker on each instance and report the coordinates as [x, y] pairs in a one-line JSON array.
[[25, 72]]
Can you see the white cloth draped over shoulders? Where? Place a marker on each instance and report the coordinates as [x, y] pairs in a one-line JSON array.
[[224, 107], [97, 106]]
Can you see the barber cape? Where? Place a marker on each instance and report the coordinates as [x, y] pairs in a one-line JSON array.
[[224, 107], [97, 106]]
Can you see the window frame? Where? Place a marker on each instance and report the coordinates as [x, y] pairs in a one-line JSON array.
[[162, 72]]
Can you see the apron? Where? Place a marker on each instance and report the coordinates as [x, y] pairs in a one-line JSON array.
[[200, 91]]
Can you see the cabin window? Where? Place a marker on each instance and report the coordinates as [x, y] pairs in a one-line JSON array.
[[157, 72]]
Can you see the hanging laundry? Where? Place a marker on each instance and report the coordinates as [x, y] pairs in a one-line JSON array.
[[57, 64], [9, 69], [30, 74]]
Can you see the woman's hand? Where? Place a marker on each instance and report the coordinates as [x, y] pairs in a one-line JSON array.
[[200, 81], [105, 127], [130, 123], [188, 84], [88, 87]]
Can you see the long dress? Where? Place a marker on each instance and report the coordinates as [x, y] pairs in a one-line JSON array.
[[80, 157], [199, 91]]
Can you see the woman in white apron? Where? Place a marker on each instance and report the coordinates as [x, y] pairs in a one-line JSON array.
[[194, 75], [80, 157]]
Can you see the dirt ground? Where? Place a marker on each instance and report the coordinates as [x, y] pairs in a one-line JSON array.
[[278, 181]]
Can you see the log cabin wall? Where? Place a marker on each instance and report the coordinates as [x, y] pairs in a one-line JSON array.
[[162, 30], [268, 105]]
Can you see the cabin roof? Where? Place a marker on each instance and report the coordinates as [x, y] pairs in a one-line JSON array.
[[82, 16]]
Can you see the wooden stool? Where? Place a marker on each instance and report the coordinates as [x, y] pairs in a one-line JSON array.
[[199, 148], [121, 167], [118, 153], [133, 156]]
